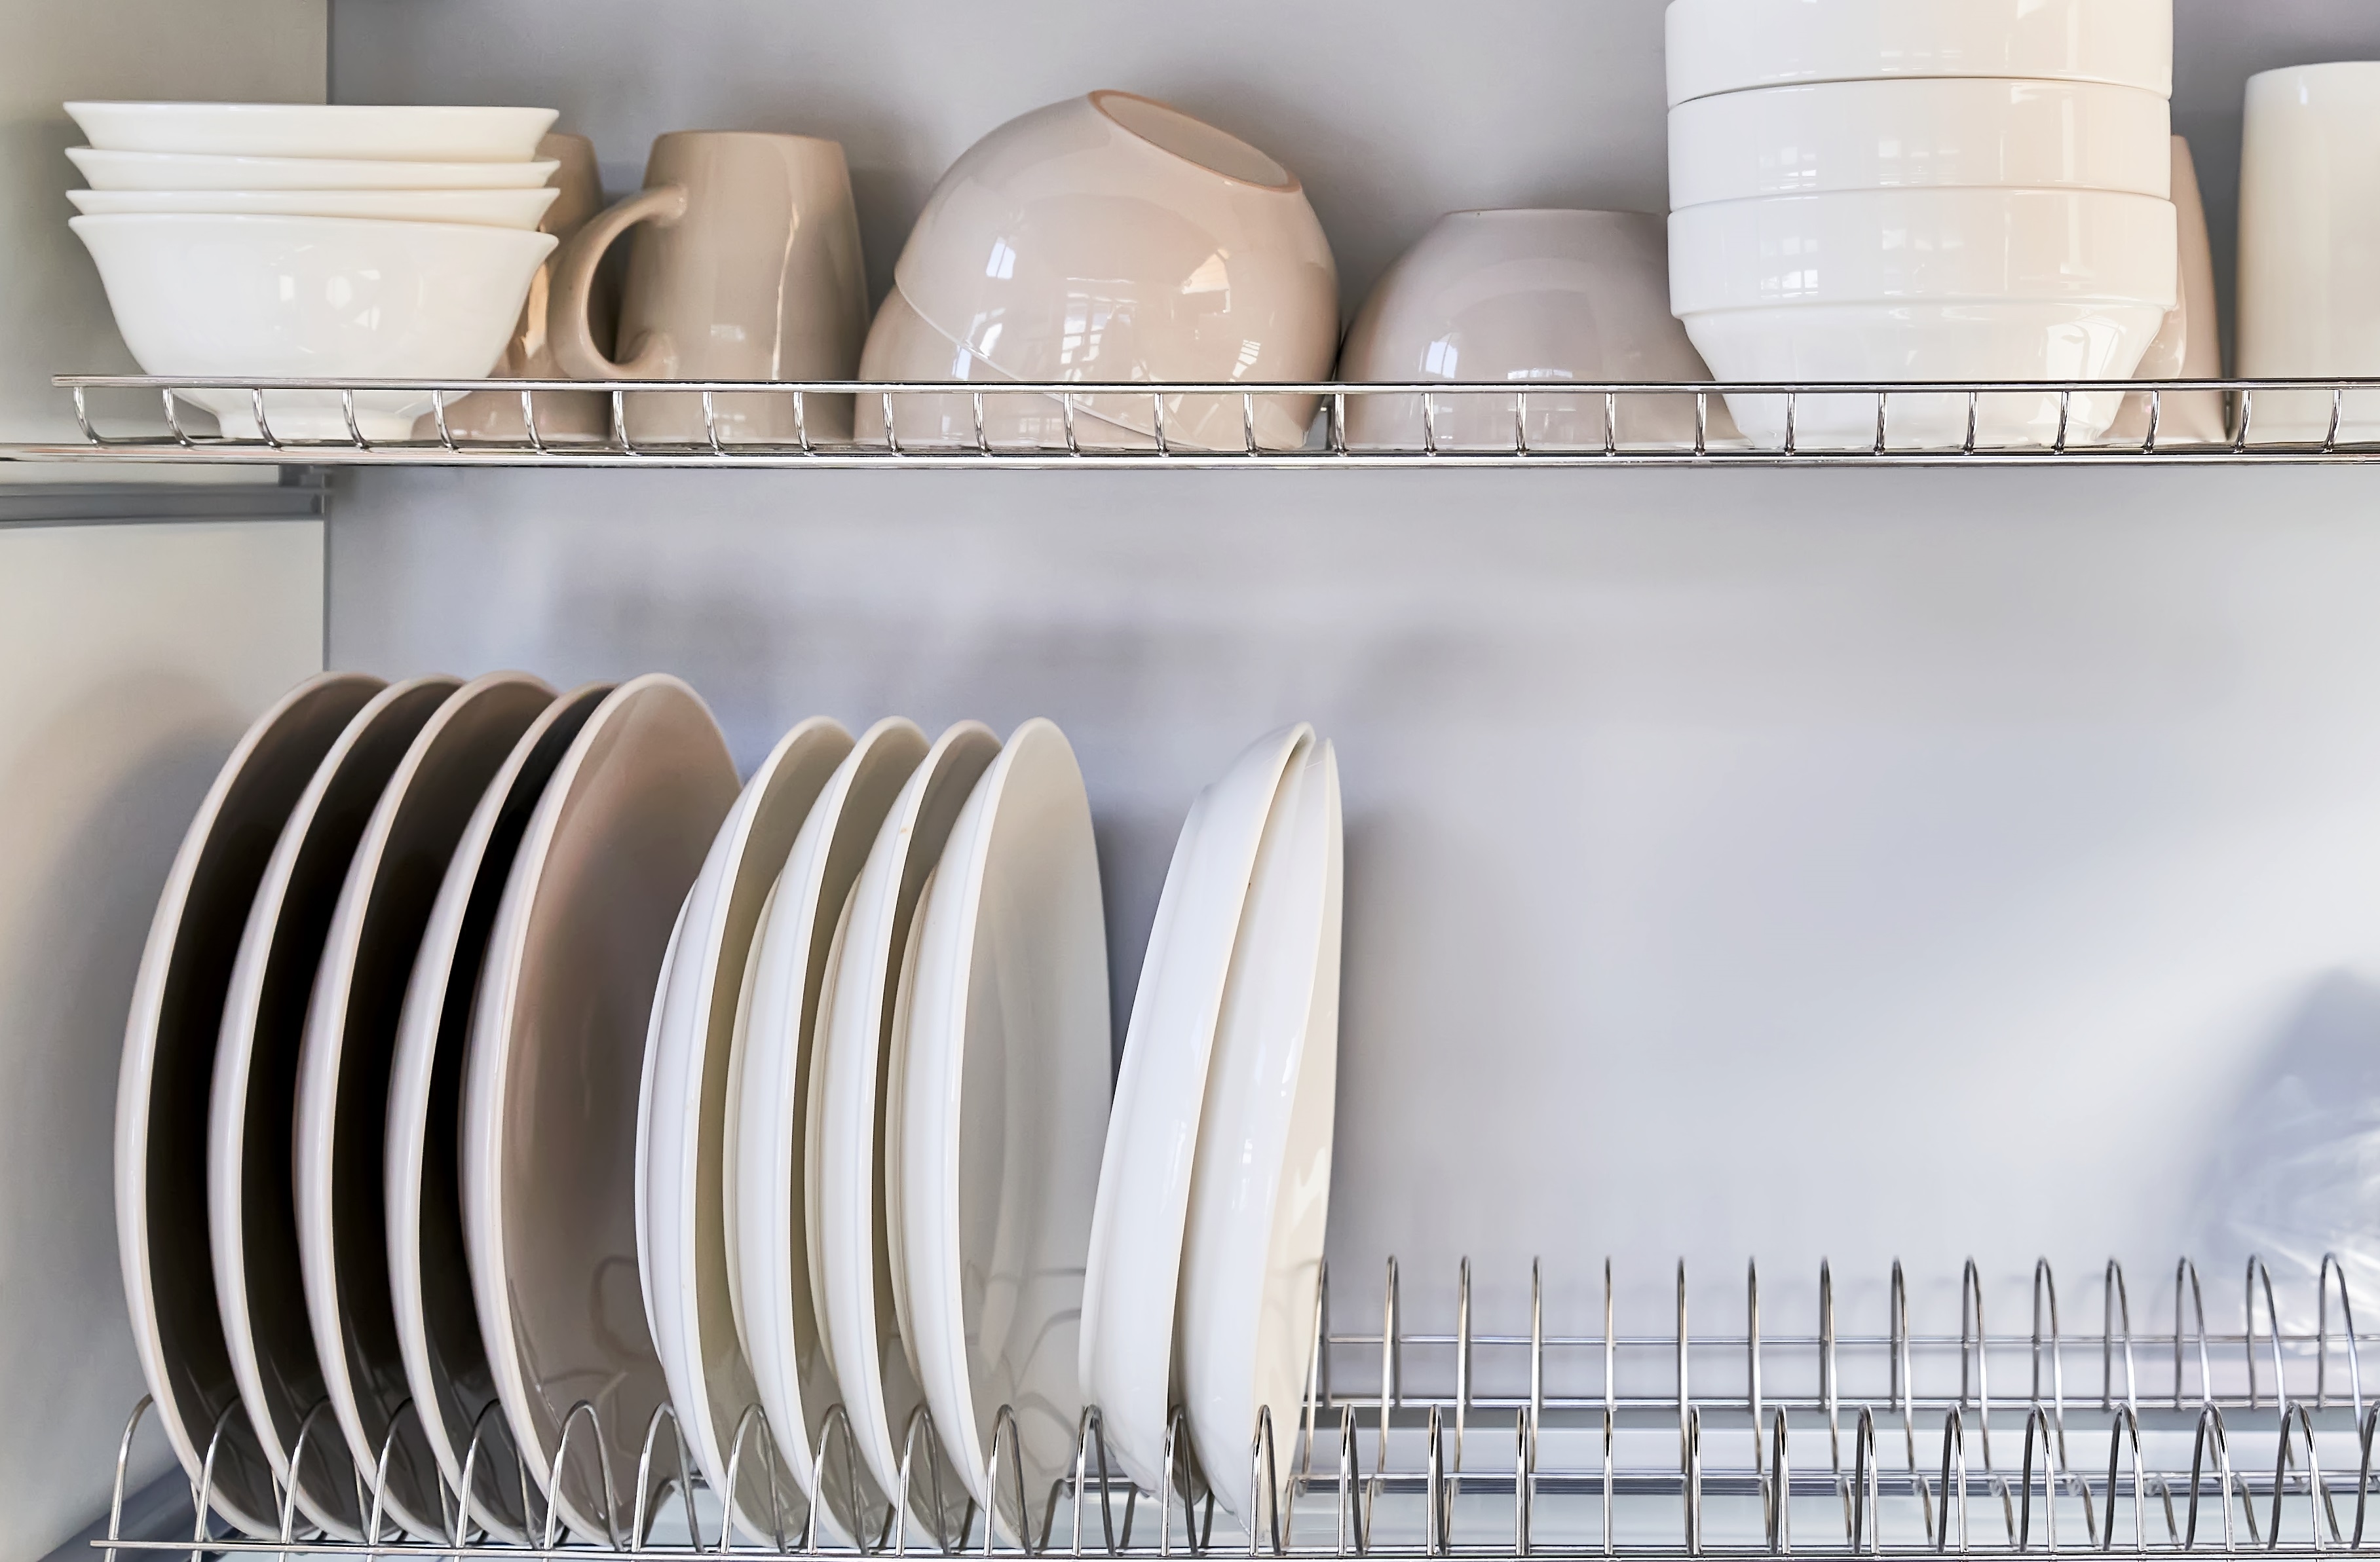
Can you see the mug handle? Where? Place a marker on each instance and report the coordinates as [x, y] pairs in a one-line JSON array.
[[651, 355]]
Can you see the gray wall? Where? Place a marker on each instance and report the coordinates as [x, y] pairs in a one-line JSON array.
[[1740, 862]]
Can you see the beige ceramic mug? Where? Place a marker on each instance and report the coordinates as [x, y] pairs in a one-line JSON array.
[[746, 266]]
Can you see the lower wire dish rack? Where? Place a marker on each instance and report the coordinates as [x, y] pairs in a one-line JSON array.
[[1746, 1442], [1536, 423]]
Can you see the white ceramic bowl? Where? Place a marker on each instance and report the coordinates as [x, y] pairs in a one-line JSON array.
[[1530, 298], [1114, 238], [903, 345], [190, 171], [493, 209], [1970, 339], [1729, 45], [300, 297], [419, 133], [1888, 134], [1926, 246]]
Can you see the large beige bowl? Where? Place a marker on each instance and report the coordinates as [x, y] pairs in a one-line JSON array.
[[220, 296], [1110, 238]]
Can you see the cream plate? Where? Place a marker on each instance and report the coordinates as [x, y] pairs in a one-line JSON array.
[[683, 1119], [429, 1281], [1003, 1096], [1261, 1182], [341, 1129], [251, 1214], [493, 209], [549, 1089], [193, 171], [788, 990], [161, 1099], [850, 1252], [418, 132], [1130, 1282]]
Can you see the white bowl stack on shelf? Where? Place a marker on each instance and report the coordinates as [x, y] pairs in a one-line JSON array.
[[306, 240], [1877, 191]]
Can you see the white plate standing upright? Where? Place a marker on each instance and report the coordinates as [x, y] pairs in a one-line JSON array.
[[1129, 1283], [849, 1219], [251, 1214], [161, 1099], [1261, 1182], [550, 1081], [682, 1125], [341, 1129], [1003, 1096], [429, 1281], [780, 1015]]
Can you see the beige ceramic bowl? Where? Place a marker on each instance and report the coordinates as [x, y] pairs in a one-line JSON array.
[[1111, 238]]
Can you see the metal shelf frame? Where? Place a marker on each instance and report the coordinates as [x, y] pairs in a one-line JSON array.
[[169, 436]]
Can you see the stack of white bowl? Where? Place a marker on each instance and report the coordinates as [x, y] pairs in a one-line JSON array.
[[304, 240], [1889, 190]]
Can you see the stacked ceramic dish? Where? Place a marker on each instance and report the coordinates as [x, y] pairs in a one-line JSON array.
[[1922, 189], [499, 1072], [300, 240], [1109, 238]]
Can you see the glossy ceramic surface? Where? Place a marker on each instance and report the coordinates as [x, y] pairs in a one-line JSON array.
[[2309, 234], [561, 415], [341, 1129], [418, 133], [1260, 1188], [1903, 133], [1113, 238], [551, 1082], [2189, 344], [334, 296], [745, 265], [190, 171], [251, 1205], [1131, 1282], [1729, 45], [683, 1121], [161, 1103], [1003, 1093], [1534, 297], [430, 1282], [493, 209], [850, 1216], [903, 345], [778, 1020], [1923, 246]]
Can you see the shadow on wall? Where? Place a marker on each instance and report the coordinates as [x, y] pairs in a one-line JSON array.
[[2295, 1172]]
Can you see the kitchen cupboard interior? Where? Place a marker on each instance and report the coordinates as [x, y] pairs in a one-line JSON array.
[[1831, 865]]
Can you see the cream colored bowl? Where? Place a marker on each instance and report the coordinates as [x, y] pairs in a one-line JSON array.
[[1534, 299], [1897, 134], [1113, 238], [493, 209], [1730, 45], [191, 171], [218, 297], [419, 133]]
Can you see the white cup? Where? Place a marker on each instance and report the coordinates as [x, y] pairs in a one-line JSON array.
[[2308, 291]]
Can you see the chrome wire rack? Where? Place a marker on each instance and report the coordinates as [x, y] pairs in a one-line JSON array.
[[1325, 425], [1593, 1442]]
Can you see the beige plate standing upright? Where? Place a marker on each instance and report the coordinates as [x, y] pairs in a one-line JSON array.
[[550, 1090], [251, 1206], [341, 1129], [788, 991], [682, 1126], [429, 1280], [161, 1100], [851, 1266], [1001, 1092]]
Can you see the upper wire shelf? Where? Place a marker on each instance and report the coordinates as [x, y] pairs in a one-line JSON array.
[[1318, 425], [1744, 1442]]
